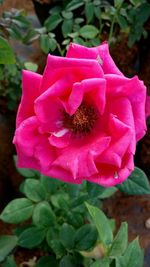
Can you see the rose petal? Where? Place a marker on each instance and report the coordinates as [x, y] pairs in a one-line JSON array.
[[74, 70], [135, 91], [102, 51], [30, 90], [147, 109], [27, 136], [90, 90]]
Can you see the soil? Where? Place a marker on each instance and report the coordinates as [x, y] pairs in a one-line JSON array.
[[133, 209]]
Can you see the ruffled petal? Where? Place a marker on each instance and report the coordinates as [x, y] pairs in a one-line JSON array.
[[27, 136], [90, 91], [30, 91], [61, 138], [135, 91], [110, 175], [121, 139], [101, 53], [74, 70]]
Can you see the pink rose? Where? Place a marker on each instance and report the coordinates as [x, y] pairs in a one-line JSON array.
[[81, 119]]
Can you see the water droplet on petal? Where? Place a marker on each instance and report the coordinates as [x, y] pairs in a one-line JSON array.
[[116, 175], [61, 132], [100, 61]]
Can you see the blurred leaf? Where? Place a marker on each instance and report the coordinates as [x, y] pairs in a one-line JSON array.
[[58, 248], [9, 262], [67, 261], [78, 40], [88, 31], [34, 190], [31, 237], [18, 210], [122, 22], [30, 36], [52, 22], [118, 3], [47, 261], [78, 20], [31, 66], [102, 224], [136, 184], [97, 12], [101, 263], [67, 14], [43, 216], [75, 219], [108, 192], [52, 44], [50, 185], [85, 237], [66, 235], [133, 256], [44, 43], [67, 26], [120, 242], [6, 53], [89, 11], [7, 244], [74, 4]]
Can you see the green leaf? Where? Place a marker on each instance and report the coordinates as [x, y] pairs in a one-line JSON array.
[[60, 200], [66, 235], [120, 242], [88, 31], [67, 261], [9, 262], [47, 261], [118, 3], [43, 216], [89, 11], [52, 44], [85, 237], [122, 22], [7, 244], [101, 263], [52, 22], [67, 26], [97, 12], [34, 190], [57, 247], [31, 66], [97, 191], [18, 210], [67, 14], [75, 219], [108, 192], [6, 53], [133, 256], [74, 4], [31, 237], [50, 185], [102, 224], [136, 184], [78, 40], [44, 43]]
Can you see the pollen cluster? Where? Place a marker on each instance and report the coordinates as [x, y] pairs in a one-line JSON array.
[[82, 121]]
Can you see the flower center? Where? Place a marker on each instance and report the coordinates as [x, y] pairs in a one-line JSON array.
[[82, 121]]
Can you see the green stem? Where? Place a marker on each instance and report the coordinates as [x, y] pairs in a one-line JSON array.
[[111, 29]]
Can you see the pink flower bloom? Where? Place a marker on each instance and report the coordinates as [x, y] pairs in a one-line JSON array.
[[81, 119], [147, 106]]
